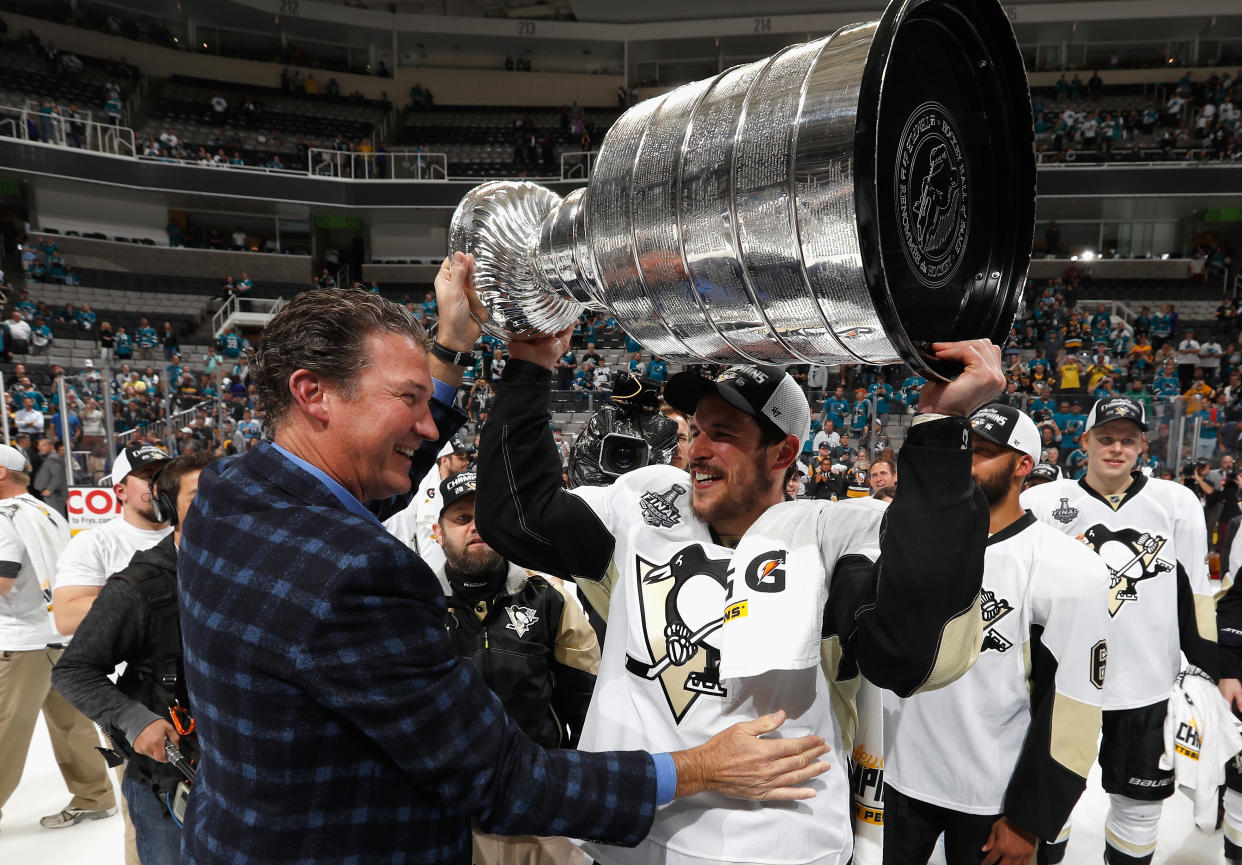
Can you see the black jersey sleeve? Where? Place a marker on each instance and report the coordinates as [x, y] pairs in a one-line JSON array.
[[1198, 627], [910, 621], [521, 510]]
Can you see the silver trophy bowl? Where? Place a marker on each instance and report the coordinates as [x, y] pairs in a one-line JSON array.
[[847, 200]]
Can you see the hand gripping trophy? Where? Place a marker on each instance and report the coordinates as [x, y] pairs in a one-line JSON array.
[[847, 200]]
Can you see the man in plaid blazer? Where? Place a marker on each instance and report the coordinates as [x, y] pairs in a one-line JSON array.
[[336, 725]]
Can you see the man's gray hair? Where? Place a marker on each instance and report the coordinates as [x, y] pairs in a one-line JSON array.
[[324, 331]]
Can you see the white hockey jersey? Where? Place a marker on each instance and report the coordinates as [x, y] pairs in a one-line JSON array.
[[1041, 671], [701, 636], [1153, 540], [413, 525]]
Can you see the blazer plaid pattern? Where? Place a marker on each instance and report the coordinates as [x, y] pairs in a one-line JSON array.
[[336, 724]]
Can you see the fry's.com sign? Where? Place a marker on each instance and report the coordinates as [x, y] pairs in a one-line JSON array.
[[91, 506]]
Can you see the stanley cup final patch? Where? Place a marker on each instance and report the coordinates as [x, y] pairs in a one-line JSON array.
[[1065, 513], [659, 509]]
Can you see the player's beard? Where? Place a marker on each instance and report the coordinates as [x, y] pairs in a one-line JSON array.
[[743, 488], [471, 562], [997, 483]]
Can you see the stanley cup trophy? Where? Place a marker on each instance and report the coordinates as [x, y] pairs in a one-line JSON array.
[[847, 200]]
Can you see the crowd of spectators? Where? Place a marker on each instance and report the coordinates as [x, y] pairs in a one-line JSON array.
[[1198, 121], [208, 400], [42, 261], [1061, 357], [157, 394]]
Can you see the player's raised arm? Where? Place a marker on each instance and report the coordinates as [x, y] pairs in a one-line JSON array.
[[522, 511], [911, 620]]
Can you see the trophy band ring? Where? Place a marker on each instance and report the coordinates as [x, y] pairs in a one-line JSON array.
[[847, 200]]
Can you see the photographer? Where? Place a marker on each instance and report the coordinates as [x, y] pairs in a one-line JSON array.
[[1194, 478], [135, 621], [1221, 506], [826, 484]]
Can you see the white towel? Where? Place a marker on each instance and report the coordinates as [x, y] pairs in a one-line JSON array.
[[1201, 735]]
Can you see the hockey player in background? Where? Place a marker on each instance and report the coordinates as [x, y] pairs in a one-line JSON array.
[[1153, 539], [996, 760], [797, 582], [415, 525]]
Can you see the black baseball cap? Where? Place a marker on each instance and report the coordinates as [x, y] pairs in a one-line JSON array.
[[456, 486], [1116, 408], [455, 445], [135, 457], [758, 390], [1046, 471]]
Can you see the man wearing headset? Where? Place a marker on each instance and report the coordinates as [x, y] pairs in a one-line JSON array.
[[135, 620], [96, 554]]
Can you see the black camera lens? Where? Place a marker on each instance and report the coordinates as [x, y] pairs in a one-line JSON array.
[[619, 454], [624, 457]]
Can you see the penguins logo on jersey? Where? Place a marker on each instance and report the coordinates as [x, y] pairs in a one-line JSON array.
[[681, 602], [1065, 514], [1130, 555], [993, 611], [659, 509], [521, 619]]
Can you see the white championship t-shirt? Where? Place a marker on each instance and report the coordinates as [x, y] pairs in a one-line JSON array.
[[96, 554]]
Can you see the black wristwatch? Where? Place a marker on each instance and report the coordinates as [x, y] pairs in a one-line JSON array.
[[457, 358]]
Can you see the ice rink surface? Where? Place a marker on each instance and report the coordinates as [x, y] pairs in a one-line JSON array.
[[24, 842]]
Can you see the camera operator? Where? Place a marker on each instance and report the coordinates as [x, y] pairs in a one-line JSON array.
[[135, 621], [628, 432], [1222, 507]]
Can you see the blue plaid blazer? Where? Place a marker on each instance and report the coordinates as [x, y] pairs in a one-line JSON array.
[[336, 724]]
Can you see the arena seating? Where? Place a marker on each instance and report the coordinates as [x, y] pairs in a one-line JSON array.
[[24, 75], [481, 141], [198, 287], [280, 122]]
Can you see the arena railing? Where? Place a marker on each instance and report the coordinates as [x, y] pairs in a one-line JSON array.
[[382, 165], [385, 126], [1148, 156], [56, 129], [578, 165], [244, 312], [206, 163]]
